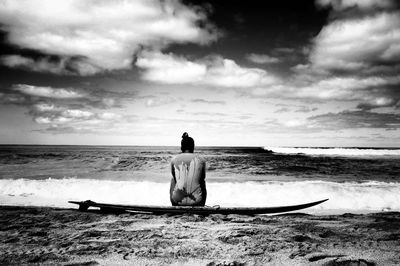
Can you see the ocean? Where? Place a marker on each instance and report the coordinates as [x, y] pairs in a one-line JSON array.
[[357, 180]]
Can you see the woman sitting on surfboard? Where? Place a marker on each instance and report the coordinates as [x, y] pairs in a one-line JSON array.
[[188, 186]]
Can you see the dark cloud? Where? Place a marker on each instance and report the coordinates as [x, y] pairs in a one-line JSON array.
[[356, 119], [300, 108], [29, 95], [61, 130], [207, 101], [279, 104], [357, 5], [67, 65], [208, 113], [282, 110], [245, 117], [262, 58], [306, 109], [370, 106], [283, 50], [218, 122], [201, 113], [104, 99], [77, 122]]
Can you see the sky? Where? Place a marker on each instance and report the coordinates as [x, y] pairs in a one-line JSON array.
[[320, 73]]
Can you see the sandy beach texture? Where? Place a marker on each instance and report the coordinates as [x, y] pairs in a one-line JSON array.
[[49, 236]]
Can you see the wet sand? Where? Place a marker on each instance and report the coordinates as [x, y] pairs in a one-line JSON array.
[[48, 236]]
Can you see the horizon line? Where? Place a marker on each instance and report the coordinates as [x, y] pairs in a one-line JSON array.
[[203, 146]]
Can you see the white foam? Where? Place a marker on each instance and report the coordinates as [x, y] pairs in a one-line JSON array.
[[336, 151], [343, 197]]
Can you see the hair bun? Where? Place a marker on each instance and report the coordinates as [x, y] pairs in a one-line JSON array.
[[185, 135]]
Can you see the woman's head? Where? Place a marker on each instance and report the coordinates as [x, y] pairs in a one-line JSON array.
[[187, 143]]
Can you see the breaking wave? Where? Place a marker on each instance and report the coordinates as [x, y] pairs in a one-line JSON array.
[[343, 197], [336, 151]]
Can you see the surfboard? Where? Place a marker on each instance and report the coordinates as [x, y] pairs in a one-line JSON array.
[[84, 205]]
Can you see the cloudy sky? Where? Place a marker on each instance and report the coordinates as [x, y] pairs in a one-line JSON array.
[[238, 73]]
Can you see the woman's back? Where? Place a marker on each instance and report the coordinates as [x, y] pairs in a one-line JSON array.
[[188, 180]]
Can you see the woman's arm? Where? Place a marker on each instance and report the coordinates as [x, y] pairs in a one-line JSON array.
[[173, 170], [173, 184]]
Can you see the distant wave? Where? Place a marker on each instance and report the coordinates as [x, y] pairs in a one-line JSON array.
[[344, 197], [336, 151]]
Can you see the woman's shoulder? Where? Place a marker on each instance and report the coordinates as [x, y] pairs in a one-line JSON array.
[[201, 158], [186, 157]]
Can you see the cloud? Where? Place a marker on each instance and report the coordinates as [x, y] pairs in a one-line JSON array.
[[47, 92], [104, 99], [68, 110], [360, 4], [43, 113], [92, 36], [349, 119], [358, 44], [212, 71], [245, 117], [262, 59], [202, 113], [94, 97], [207, 101], [158, 101], [29, 95], [282, 110], [65, 119], [12, 98], [170, 69], [300, 108], [355, 57], [377, 103], [356, 119], [345, 88], [306, 109], [284, 50], [294, 123], [62, 66], [226, 73], [370, 89]]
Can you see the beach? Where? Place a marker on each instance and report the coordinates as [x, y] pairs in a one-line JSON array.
[[358, 225], [62, 236]]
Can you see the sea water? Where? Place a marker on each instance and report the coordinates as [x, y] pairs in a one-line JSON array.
[[357, 180]]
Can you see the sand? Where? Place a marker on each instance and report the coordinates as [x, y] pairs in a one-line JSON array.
[[51, 236]]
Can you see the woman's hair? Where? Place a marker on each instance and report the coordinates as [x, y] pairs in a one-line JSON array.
[[187, 143]]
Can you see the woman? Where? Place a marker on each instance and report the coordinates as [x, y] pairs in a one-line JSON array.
[[188, 185]]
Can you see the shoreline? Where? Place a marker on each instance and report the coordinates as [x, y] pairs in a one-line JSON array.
[[65, 236]]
